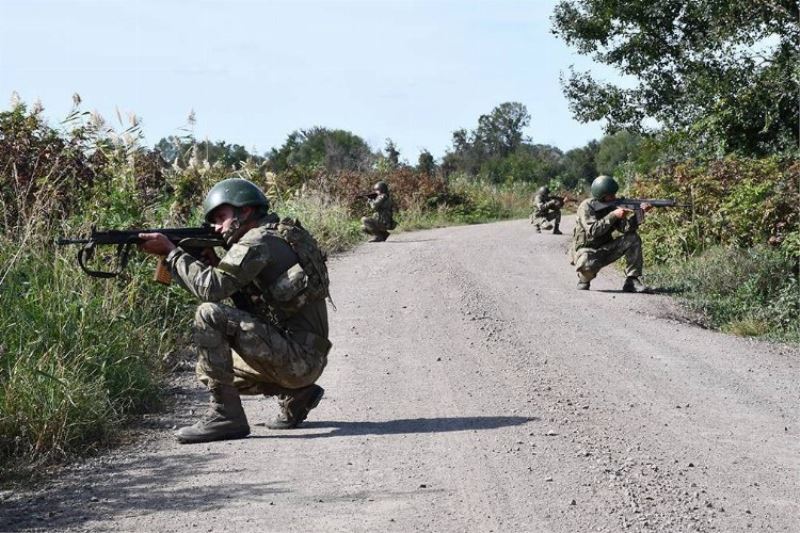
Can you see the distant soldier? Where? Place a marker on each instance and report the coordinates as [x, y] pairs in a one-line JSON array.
[[604, 233], [383, 219], [273, 340], [546, 208]]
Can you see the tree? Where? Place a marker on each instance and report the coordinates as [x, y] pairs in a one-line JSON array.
[[498, 135], [500, 132], [321, 148], [426, 163], [616, 149], [392, 154], [579, 166], [721, 73]]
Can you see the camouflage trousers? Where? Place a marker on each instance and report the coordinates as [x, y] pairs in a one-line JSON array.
[[542, 219], [589, 261], [373, 226], [238, 348]]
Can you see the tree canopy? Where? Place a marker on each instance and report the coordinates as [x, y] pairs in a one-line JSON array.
[[321, 148], [722, 73]]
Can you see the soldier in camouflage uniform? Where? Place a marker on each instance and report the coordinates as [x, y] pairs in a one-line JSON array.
[[273, 340], [383, 220], [604, 233], [546, 209]]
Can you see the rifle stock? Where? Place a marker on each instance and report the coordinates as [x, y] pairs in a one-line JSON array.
[[162, 274]]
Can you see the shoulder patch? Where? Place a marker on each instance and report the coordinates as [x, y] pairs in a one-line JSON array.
[[236, 255]]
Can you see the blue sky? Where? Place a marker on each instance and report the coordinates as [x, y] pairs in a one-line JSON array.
[[253, 71]]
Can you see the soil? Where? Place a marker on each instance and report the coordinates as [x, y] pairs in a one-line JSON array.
[[471, 387]]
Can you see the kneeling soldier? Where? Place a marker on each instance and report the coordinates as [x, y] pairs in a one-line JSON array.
[[381, 202], [273, 340], [546, 209], [604, 233]]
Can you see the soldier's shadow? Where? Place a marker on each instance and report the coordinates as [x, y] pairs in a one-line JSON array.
[[402, 426]]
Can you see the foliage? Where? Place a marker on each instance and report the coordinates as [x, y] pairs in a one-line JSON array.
[[745, 291], [497, 136], [497, 152], [736, 201], [723, 75], [579, 167], [616, 150], [392, 155], [735, 254], [181, 150], [308, 151], [426, 164], [467, 201], [37, 162], [78, 355]]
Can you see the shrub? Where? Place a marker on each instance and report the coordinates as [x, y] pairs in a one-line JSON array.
[[746, 291], [737, 202]]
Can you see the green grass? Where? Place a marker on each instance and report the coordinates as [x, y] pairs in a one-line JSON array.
[[752, 292], [475, 202], [78, 354], [330, 223]]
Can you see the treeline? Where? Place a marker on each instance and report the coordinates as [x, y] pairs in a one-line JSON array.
[[496, 151]]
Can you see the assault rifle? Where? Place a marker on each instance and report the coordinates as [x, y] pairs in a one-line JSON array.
[[370, 195], [193, 240], [635, 205]]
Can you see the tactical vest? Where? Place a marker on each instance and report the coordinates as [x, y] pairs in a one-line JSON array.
[[305, 282], [580, 238]]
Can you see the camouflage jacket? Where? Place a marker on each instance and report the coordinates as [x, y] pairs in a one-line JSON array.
[[543, 203], [384, 210], [252, 272], [595, 224]]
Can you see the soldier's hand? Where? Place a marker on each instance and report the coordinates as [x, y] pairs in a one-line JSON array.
[[646, 207], [155, 243], [210, 257], [621, 212]]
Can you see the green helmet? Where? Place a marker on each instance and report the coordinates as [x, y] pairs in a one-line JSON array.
[[237, 192], [381, 187], [543, 190], [602, 186]]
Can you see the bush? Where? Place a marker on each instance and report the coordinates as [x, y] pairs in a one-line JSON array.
[[735, 202], [747, 292], [735, 252]]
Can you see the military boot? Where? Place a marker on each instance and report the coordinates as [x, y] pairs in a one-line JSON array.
[[295, 407], [556, 231], [634, 284], [583, 286], [224, 420]]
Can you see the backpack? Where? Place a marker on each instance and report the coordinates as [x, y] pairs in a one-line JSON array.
[[311, 259]]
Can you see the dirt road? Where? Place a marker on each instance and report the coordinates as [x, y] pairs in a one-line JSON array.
[[472, 388]]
